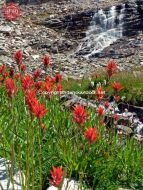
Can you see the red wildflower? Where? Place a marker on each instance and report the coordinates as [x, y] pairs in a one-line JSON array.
[[31, 98], [91, 134], [57, 78], [106, 104], [48, 87], [36, 73], [17, 76], [27, 82], [2, 69], [5, 74], [57, 175], [35, 107], [38, 85], [117, 86], [23, 67], [18, 56], [11, 72], [59, 87], [116, 117], [117, 98], [49, 79], [79, 114], [38, 109], [46, 61], [99, 93], [111, 68], [10, 87], [100, 110]]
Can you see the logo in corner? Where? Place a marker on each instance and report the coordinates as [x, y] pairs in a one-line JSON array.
[[11, 11]]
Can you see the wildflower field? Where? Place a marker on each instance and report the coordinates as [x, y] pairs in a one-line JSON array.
[[47, 143]]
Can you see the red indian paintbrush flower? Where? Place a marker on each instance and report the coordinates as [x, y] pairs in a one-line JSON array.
[[36, 73], [48, 87], [17, 76], [2, 69], [38, 110], [39, 85], [116, 116], [30, 97], [57, 175], [91, 134], [100, 110], [106, 104], [3, 72], [10, 87], [99, 93], [23, 67], [18, 57], [79, 114], [111, 68], [117, 86], [46, 61], [58, 77], [117, 98], [59, 88], [49, 79], [27, 82], [35, 107], [11, 72]]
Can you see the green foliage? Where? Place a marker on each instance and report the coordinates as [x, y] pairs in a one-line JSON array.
[[132, 86], [110, 162], [105, 164]]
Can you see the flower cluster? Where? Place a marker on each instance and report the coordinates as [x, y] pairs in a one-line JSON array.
[[32, 86], [36, 108]]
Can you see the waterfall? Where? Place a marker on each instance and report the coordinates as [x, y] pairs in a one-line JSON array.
[[105, 28]]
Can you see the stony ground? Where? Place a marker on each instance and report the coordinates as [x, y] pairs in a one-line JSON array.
[[36, 40]]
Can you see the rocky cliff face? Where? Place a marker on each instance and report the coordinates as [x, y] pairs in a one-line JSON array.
[[134, 17], [77, 22]]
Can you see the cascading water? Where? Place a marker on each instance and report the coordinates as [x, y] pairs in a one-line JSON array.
[[105, 28]]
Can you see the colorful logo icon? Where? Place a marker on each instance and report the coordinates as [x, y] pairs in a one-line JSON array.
[[11, 11]]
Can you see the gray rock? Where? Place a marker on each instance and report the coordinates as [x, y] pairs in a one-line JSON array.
[[5, 29], [3, 52], [126, 130], [138, 137], [56, 23], [71, 99]]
